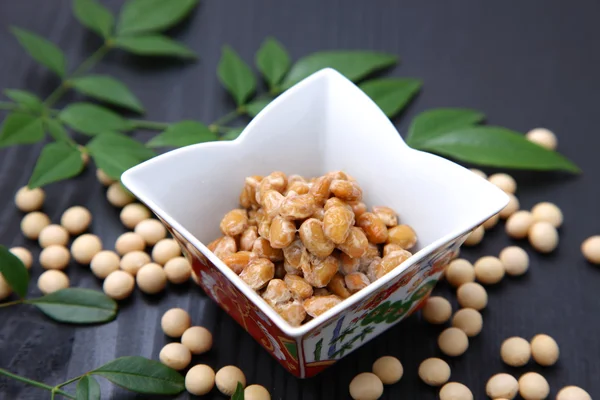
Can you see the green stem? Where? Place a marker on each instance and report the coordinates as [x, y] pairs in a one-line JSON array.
[[7, 105], [91, 60], [11, 303], [266, 96], [153, 125], [226, 118], [56, 94], [224, 129], [69, 381], [85, 65], [35, 383], [135, 123]]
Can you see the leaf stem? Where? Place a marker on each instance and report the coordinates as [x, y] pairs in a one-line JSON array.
[[271, 95], [69, 381], [83, 67], [224, 129], [11, 303], [230, 116], [7, 105], [135, 123], [56, 94], [35, 383], [152, 125], [91, 60]]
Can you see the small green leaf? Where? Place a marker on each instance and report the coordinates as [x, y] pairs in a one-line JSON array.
[[77, 306], [354, 65], [431, 123], [233, 133], [94, 16], [273, 61], [183, 134], [139, 16], [57, 161], [92, 119], [236, 76], [41, 50], [25, 99], [239, 392], [57, 130], [496, 147], [391, 94], [108, 89], [141, 375], [256, 106], [21, 128], [88, 388], [14, 272], [153, 45], [115, 153]]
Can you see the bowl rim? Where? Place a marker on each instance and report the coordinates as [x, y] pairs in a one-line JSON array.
[[130, 182]]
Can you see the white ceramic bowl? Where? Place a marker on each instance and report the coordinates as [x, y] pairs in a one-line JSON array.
[[322, 124]]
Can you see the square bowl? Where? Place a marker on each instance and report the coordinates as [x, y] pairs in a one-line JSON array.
[[324, 123]]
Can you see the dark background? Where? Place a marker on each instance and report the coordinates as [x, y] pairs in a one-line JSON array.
[[525, 64]]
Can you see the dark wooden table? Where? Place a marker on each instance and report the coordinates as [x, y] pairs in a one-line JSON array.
[[525, 64]]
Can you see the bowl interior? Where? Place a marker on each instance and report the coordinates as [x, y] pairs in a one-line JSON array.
[[323, 124]]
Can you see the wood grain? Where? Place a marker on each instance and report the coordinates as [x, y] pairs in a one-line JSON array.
[[525, 64]]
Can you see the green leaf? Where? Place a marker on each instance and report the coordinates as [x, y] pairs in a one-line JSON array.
[[41, 50], [153, 45], [21, 128], [496, 147], [88, 388], [256, 106], [141, 375], [431, 123], [25, 99], [239, 392], [139, 16], [236, 76], [233, 133], [57, 161], [57, 130], [392, 94], [183, 134], [354, 65], [92, 119], [108, 89], [77, 306], [14, 272], [115, 153], [273, 61], [94, 16]]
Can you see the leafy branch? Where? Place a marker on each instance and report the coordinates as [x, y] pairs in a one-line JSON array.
[[53, 389], [452, 133], [72, 305], [456, 133], [137, 31], [136, 374], [85, 306]]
